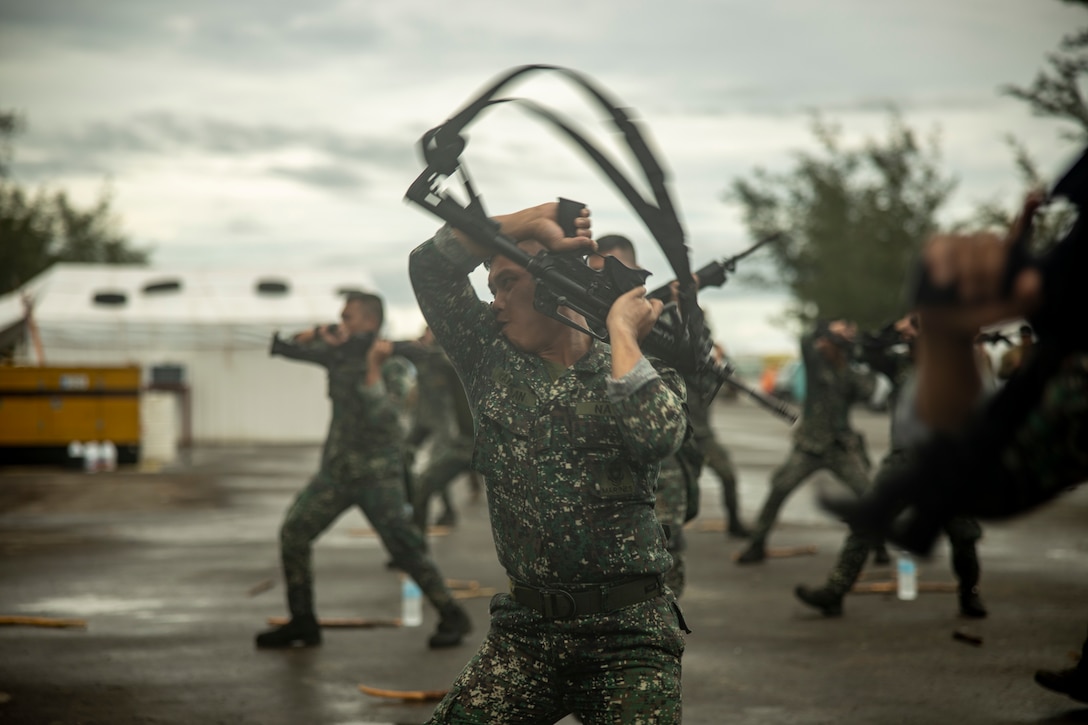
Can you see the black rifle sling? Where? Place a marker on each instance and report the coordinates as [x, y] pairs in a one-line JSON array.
[[443, 145]]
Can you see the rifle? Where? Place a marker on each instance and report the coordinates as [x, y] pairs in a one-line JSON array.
[[714, 274], [679, 337], [355, 347]]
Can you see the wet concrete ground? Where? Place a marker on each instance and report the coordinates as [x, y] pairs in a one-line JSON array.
[[165, 567]]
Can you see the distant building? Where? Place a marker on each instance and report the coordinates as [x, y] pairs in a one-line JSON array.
[[210, 327]]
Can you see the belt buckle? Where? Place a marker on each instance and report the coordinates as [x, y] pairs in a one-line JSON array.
[[549, 598]]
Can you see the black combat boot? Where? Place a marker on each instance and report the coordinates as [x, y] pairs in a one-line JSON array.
[[971, 604], [1072, 682], [828, 602], [881, 557], [452, 627], [755, 553], [302, 631], [737, 530]]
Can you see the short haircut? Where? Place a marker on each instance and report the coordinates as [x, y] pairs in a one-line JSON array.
[[610, 242], [371, 303]]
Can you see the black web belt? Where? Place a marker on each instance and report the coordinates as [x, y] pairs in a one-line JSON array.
[[555, 603]]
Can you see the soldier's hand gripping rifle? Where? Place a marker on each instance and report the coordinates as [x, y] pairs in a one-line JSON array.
[[564, 280], [963, 474]]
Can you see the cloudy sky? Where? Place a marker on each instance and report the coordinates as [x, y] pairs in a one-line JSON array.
[[267, 132]]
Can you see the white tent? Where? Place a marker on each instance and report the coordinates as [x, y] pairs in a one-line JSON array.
[[216, 324]]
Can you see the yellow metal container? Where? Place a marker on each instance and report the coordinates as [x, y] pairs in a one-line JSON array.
[[43, 409]]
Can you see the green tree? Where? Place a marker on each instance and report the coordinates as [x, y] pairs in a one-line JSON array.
[[1056, 92], [852, 218], [39, 228]]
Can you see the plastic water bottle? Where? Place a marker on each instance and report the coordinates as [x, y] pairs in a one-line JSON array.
[[75, 455], [411, 603], [91, 454], [906, 577], [107, 456]]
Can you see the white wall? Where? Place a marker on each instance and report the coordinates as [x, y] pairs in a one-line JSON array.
[[239, 396]]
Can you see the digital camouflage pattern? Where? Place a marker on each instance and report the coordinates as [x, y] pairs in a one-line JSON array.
[[362, 464], [823, 438], [570, 473], [621, 668]]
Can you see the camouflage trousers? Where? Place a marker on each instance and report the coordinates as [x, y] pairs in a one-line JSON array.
[[382, 501], [448, 460], [847, 465], [671, 506], [962, 532], [619, 668], [716, 458]]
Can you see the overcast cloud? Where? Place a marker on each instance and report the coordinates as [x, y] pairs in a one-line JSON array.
[[230, 133]]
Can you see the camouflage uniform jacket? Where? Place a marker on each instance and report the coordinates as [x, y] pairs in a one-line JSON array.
[[366, 431], [570, 465], [829, 393]]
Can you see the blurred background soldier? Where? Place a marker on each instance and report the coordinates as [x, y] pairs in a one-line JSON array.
[[716, 458], [362, 464], [823, 439], [443, 423], [884, 356]]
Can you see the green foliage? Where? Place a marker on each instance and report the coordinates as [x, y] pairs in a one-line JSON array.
[[42, 227], [1056, 90], [1049, 223], [853, 220]]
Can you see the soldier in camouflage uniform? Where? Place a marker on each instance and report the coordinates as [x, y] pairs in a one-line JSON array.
[[963, 532], [569, 435], [362, 465], [823, 439], [716, 458], [443, 419]]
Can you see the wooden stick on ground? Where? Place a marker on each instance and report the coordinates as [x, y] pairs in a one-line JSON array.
[[343, 622], [20, 621], [476, 593], [406, 695], [888, 587], [782, 552], [261, 587], [462, 584], [431, 531]]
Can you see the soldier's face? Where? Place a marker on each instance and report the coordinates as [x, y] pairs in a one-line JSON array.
[[355, 318], [520, 323]]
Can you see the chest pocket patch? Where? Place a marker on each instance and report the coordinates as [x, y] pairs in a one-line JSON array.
[[511, 405], [593, 425], [616, 480]]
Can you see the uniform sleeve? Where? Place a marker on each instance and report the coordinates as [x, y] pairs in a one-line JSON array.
[[649, 404], [461, 322]]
